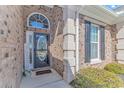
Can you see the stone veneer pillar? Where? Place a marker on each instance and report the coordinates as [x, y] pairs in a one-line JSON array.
[[114, 32], [69, 45]]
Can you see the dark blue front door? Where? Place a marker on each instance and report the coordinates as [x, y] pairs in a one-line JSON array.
[[40, 50]]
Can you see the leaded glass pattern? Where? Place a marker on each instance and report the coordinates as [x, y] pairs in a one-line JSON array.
[[38, 21]]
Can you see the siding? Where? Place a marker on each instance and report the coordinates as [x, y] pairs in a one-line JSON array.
[[120, 44]]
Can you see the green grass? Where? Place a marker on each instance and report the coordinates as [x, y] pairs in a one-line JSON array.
[[96, 78], [115, 68]]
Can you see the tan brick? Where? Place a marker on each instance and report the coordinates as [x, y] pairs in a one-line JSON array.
[[11, 20]]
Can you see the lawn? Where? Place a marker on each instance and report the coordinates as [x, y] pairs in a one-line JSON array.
[[96, 78], [116, 68]]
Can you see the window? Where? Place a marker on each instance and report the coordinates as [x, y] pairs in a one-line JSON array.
[[94, 43], [112, 7], [38, 21], [94, 35], [115, 9]]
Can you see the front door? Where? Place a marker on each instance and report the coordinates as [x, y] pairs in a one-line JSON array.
[[40, 50]]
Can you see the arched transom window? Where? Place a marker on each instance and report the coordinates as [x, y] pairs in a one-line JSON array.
[[37, 20]]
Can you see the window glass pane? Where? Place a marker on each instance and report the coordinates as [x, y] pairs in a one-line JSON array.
[[94, 34], [45, 26], [94, 50], [94, 42], [41, 17], [37, 24], [35, 16], [30, 39], [38, 21], [45, 21]]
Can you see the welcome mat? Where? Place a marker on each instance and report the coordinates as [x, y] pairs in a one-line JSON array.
[[43, 72]]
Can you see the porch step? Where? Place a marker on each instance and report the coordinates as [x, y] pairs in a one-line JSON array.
[[40, 80], [43, 68], [40, 71]]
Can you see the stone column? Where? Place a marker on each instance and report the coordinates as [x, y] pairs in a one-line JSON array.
[[69, 44]]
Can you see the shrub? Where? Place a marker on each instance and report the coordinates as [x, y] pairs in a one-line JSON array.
[[96, 78], [115, 68]]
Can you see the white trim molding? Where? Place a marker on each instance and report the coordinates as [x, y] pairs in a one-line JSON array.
[[28, 47], [77, 40]]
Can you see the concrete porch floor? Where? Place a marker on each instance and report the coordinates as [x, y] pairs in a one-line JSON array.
[[51, 80]]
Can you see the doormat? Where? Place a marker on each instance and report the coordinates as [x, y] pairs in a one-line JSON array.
[[43, 72]]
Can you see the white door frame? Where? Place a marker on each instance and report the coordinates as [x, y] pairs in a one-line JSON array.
[[27, 46], [30, 45]]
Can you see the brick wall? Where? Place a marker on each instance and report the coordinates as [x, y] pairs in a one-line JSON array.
[[108, 44], [11, 45], [57, 39]]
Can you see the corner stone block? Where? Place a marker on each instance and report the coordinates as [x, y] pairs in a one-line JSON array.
[[69, 42], [69, 69]]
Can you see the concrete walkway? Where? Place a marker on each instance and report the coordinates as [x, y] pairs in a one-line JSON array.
[[51, 80], [56, 84]]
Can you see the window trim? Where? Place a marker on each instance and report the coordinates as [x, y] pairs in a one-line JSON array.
[[38, 14], [96, 60]]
